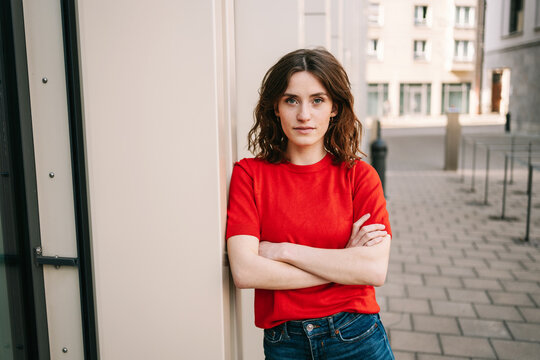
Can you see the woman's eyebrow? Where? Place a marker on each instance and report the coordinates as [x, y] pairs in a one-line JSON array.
[[312, 95]]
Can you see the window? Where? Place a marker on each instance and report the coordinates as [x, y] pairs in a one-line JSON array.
[[374, 14], [420, 15], [420, 51], [455, 98], [516, 16], [377, 103], [414, 99], [374, 49], [463, 50], [464, 16]]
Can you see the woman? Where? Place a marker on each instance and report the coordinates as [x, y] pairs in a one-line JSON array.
[[307, 223]]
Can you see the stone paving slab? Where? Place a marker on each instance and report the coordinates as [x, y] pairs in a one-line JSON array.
[[436, 324], [499, 312], [467, 346], [460, 284], [484, 328], [513, 350], [415, 341]]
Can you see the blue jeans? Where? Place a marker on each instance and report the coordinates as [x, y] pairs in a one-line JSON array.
[[341, 336]]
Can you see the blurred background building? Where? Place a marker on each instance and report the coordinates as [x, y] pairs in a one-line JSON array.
[[421, 60], [511, 72]]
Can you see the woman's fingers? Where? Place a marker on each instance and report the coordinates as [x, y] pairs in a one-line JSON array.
[[377, 240], [356, 237], [358, 224], [363, 237], [370, 228], [356, 229], [374, 241], [370, 236], [360, 235]]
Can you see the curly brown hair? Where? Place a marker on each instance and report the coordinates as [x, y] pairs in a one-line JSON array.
[[266, 138]]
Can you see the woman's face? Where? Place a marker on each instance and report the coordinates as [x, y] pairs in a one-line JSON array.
[[305, 110]]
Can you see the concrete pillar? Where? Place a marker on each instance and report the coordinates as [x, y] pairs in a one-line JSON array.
[[452, 141]]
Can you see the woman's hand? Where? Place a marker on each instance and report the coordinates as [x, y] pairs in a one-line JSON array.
[[368, 235], [270, 250]]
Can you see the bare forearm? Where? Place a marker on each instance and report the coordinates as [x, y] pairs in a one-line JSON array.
[[363, 265], [261, 273], [253, 271]]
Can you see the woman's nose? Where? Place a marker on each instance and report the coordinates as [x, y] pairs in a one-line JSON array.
[[304, 113]]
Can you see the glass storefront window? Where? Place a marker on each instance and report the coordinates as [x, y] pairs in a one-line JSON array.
[[455, 98], [414, 99], [377, 96]]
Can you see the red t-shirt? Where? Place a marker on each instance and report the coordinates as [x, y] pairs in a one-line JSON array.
[[312, 205]]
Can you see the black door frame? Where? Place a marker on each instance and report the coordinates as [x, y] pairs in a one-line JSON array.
[[78, 165], [11, 259], [24, 178], [16, 61]]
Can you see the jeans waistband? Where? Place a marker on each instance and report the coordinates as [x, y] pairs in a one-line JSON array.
[[323, 325]]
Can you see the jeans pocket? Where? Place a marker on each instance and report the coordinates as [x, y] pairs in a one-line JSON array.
[[273, 335], [360, 328]]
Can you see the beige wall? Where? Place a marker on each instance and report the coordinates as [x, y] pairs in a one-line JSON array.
[[153, 104]]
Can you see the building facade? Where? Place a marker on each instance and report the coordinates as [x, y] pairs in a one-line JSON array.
[[511, 70], [421, 60], [120, 123]]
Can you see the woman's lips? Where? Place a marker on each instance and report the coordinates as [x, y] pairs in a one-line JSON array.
[[304, 129]]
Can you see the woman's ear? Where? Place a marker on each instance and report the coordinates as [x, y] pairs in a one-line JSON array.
[[276, 110], [334, 110]]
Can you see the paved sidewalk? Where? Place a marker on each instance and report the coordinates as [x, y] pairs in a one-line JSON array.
[[459, 285]]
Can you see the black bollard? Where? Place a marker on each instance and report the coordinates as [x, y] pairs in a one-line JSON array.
[[507, 123], [378, 155]]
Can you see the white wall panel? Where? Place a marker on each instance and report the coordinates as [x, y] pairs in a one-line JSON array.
[[151, 121]]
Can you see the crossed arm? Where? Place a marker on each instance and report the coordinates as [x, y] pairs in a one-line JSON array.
[[282, 266]]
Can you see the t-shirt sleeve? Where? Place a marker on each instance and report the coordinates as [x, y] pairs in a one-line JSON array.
[[242, 213], [368, 196]]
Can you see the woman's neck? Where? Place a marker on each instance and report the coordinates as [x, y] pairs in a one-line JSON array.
[[305, 156]]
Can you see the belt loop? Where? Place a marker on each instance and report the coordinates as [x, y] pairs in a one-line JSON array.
[[285, 332], [331, 326]]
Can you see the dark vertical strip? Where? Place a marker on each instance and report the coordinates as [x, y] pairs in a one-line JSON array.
[[11, 266], [24, 178], [71, 55]]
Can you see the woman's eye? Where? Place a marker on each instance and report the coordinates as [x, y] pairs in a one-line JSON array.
[[290, 101], [318, 100]]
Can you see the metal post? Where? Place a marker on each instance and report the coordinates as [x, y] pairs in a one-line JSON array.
[[512, 160], [463, 147], [379, 149], [487, 176], [529, 162], [473, 165], [504, 185], [529, 190]]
